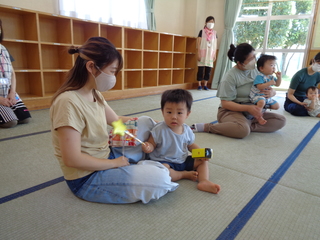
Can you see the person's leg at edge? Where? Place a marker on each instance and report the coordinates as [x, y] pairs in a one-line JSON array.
[[200, 76], [294, 108], [231, 124], [9, 124], [275, 122], [206, 77], [203, 178]]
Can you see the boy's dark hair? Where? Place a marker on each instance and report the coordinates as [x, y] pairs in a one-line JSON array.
[[263, 58], [177, 96], [313, 88]]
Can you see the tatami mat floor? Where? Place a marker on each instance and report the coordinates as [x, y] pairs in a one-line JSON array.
[[270, 185]]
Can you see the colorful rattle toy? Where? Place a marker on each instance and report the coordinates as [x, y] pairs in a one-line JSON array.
[[120, 129]]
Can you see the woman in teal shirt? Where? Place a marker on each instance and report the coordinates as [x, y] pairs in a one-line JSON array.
[[303, 79]]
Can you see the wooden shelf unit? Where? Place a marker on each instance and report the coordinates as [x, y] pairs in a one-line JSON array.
[[39, 42]]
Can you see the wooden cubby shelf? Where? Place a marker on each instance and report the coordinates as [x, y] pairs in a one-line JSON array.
[[39, 43]]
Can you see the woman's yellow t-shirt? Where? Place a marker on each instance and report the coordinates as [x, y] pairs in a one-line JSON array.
[[89, 119]]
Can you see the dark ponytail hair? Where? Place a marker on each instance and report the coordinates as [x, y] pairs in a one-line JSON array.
[[1, 34], [97, 49], [239, 53], [316, 58]]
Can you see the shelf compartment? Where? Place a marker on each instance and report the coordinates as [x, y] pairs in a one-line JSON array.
[[19, 25], [190, 75], [29, 84], [132, 79], [150, 60], [53, 81], [179, 44], [54, 29], [191, 60], [150, 78], [177, 76], [55, 57], [166, 42], [191, 45], [118, 85], [26, 55], [132, 59], [132, 38], [113, 34], [165, 60], [178, 60], [164, 77], [150, 41], [82, 31]]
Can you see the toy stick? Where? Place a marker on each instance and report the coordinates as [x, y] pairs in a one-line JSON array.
[[121, 129], [131, 135]]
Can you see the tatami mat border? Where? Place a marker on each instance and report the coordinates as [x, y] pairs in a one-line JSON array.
[[246, 213]]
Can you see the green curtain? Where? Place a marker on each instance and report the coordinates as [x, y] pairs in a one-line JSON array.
[[231, 11], [151, 21]]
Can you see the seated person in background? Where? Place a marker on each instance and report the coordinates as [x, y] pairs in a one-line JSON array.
[[171, 139], [301, 80], [12, 109], [266, 66], [233, 91], [312, 102]]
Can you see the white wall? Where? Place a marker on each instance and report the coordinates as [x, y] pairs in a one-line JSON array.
[[48, 6], [187, 17], [184, 17]]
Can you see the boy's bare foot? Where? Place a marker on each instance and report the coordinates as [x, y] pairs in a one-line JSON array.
[[261, 121], [191, 175], [208, 186]]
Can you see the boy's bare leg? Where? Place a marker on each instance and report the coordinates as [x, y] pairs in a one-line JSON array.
[[275, 106], [177, 175], [203, 179], [261, 120]]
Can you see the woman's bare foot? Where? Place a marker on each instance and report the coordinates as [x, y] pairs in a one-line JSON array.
[[208, 186], [261, 120]]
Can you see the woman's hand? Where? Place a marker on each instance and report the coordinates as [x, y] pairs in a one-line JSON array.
[[121, 161], [12, 98], [5, 102], [269, 92]]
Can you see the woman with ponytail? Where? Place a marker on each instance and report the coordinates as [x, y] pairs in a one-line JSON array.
[[79, 118], [236, 114]]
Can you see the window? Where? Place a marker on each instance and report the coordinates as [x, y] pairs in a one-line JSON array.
[[277, 27], [130, 13]]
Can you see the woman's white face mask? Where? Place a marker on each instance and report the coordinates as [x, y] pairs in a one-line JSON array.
[[315, 67], [210, 25], [250, 65], [105, 81]]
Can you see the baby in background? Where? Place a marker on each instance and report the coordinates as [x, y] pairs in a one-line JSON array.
[[266, 65], [171, 140], [312, 101]]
